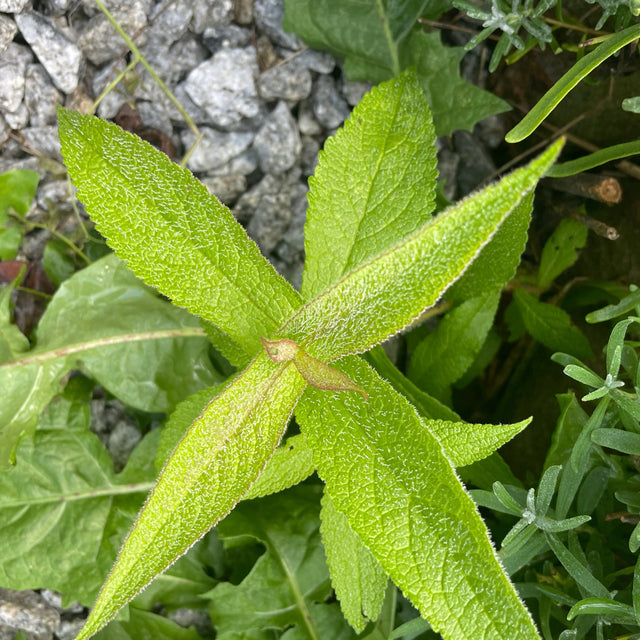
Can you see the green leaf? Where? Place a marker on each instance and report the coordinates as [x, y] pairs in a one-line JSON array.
[[60, 503], [551, 325], [290, 464], [497, 262], [359, 581], [409, 508], [569, 80], [386, 40], [143, 625], [444, 355], [57, 262], [622, 441], [179, 422], [10, 241], [386, 294], [560, 250], [592, 160], [290, 583], [172, 233], [183, 584], [373, 186], [465, 443], [153, 354], [570, 423], [455, 103], [17, 190], [106, 299], [12, 341], [214, 464], [370, 51]]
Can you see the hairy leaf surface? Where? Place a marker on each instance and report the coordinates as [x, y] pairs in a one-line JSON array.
[[410, 510], [357, 577], [444, 355], [384, 295], [213, 466], [172, 233], [374, 184]]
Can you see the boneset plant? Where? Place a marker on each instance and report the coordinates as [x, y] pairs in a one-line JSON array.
[[376, 259]]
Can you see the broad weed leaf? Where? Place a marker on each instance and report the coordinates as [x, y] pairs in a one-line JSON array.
[[172, 233], [371, 51], [212, 467], [409, 508], [377, 40], [374, 184], [384, 295], [105, 300], [289, 585], [63, 494]]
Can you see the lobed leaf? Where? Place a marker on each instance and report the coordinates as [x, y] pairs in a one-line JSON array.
[[212, 467], [374, 184], [172, 233], [384, 295], [455, 103], [370, 52], [409, 508]]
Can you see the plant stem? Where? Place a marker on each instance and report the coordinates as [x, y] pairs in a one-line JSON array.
[[59, 236], [138, 57]]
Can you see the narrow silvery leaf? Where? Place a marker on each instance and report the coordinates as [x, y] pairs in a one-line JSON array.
[[384, 295], [409, 508], [172, 233], [212, 467], [374, 184]]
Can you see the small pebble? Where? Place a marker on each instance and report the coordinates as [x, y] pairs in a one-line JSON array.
[[8, 29], [278, 142], [286, 81], [216, 148], [13, 66], [224, 86], [58, 55], [268, 15], [329, 107]]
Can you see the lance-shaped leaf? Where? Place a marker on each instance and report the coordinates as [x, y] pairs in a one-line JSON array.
[[357, 577], [409, 508], [374, 184], [384, 295], [212, 467], [172, 233]]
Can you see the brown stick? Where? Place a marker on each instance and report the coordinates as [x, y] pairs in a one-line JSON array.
[[602, 188]]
